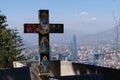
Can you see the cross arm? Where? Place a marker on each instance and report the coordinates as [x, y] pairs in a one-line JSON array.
[[33, 28], [56, 28]]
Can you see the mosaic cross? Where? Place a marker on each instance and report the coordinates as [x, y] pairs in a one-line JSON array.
[[43, 29]]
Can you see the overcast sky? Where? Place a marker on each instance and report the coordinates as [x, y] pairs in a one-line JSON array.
[[86, 16]]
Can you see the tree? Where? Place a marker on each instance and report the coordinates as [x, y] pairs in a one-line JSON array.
[[11, 45]]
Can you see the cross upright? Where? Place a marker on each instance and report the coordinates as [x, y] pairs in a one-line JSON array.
[[43, 29]]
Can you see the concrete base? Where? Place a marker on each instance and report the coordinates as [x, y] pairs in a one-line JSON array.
[[63, 68], [73, 69]]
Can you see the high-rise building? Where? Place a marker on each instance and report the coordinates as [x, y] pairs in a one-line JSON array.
[[74, 49]]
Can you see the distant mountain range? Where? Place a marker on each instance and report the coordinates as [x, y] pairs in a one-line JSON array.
[[66, 37], [106, 35]]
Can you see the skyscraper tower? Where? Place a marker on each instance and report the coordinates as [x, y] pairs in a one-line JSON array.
[[74, 49]]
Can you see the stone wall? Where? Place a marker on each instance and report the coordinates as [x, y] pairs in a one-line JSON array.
[[15, 74], [63, 68], [33, 65]]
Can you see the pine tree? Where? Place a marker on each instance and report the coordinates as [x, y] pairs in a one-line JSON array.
[[11, 45]]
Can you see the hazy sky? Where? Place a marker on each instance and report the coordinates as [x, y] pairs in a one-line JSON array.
[[86, 16]]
